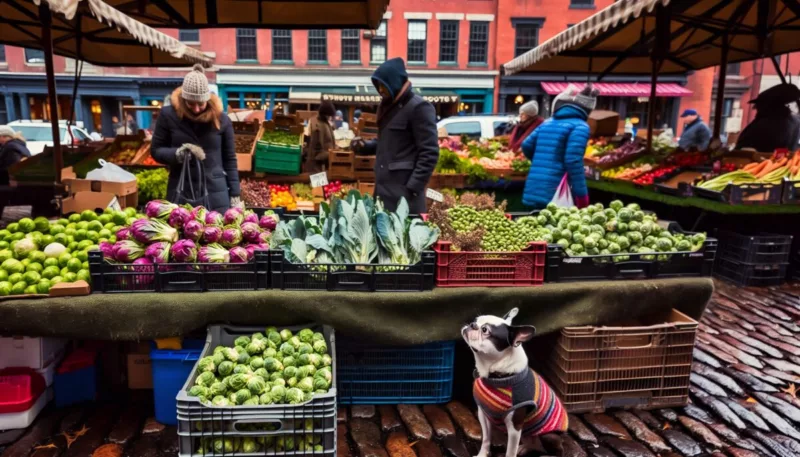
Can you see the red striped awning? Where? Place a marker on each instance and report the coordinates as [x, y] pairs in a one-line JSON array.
[[622, 89]]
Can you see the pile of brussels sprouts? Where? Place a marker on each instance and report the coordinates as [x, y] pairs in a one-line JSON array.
[[303, 439], [274, 367]]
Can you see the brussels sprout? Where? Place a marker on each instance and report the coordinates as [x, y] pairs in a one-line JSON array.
[[616, 205], [257, 336], [303, 359], [321, 384], [218, 388], [245, 369], [265, 399], [563, 242], [294, 396], [224, 445], [638, 215], [312, 370], [205, 378], [326, 360], [602, 243], [198, 391], [225, 368], [232, 354], [256, 385], [635, 237], [306, 384], [275, 337], [256, 362], [698, 238], [270, 329], [305, 348], [622, 227], [613, 248], [291, 382], [278, 394], [307, 396], [241, 396], [206, 364], [305, 335], [315, 359], [574, 226], [318, 337], [285, 335], [252, 401], [279, 382], [270, 352], [218, 349], [623, 242], [301, 372], [612, 225], [218, 358], [244, 357], [261, 372], [646, 228], [220, 400], [241, 341], [324, 373], [578, 238], [287, 349], [290, 371], [664, 244], [256, 347], [249, 445], [275, 376], [320, 347], [576, 248], [295, 341], [634, 226], [238, 381], [289, 361]]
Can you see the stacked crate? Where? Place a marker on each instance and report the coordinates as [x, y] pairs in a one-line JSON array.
[[753, 260], [340, 165]]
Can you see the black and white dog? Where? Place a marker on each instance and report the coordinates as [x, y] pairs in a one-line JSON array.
[[507, 391]]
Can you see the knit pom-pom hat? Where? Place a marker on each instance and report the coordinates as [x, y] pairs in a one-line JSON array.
[[195, 85]]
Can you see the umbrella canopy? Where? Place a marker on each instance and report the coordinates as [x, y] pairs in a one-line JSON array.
[[621, 38], [285, 14], [94, 32]]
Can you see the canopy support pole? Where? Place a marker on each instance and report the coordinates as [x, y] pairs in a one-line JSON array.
[[777, 66], [720, 101], [47, 44], [660, 53], [651, 104]]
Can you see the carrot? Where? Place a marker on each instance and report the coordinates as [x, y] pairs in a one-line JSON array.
[[759, 167], [768, 169], [782, 161], [750, 166]]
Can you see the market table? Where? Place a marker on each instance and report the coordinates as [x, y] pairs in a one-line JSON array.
[[401, 318]]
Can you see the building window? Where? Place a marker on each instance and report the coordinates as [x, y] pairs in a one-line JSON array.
[[2, 53], [582, 4], [246, 48], [727, 112], [189, 35], [527, 38], [478, 42], [733, 69], [351, 46], [377, 46], [448, 42], [34, 56], [317, 46], [282, 45], [417, 40]]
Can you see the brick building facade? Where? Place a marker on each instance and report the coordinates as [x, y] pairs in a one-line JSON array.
[[453, 51]]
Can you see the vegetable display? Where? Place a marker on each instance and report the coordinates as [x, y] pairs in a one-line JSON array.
[[356, 229], [281, 197], [281, 137], [152, 184], [273, 367], [36, 254], [182, 234]]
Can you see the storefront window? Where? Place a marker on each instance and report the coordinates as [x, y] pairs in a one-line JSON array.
[[637, 108], [377, 53]]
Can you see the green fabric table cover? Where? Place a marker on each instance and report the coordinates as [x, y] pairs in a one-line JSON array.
[[398, 318]]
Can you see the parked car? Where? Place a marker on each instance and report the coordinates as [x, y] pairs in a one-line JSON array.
[[40, 134], [487, 126]]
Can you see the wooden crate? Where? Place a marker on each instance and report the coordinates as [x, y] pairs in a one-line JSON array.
[[449, 181], [340, 165], [366, 188], [364, 168]]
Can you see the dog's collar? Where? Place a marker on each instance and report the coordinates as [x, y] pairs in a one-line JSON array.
[[499, 380]]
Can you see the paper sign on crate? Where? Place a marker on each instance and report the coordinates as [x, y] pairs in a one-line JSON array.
[[434, 195], [319, 179]]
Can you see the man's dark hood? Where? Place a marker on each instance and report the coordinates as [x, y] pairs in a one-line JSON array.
[[392, 74]]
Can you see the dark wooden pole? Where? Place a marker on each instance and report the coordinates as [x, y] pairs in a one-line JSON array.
[[47, 43], [651, 105], [720, 101], [660, 52]]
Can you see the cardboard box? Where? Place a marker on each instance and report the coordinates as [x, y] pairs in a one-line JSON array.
[[90, 194], [140, 371], [603, 123], [69, 289]]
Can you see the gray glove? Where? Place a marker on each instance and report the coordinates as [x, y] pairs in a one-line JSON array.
[[188, 148], [236, 202]]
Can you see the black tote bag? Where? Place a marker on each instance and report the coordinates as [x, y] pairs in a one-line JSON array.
[[185, 191]]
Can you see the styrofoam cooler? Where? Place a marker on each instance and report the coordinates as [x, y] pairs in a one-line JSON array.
[[36, 353], [23, 395]]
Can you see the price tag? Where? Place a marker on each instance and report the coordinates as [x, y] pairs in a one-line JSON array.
[[115, 205], [434, 195], [319, 179]]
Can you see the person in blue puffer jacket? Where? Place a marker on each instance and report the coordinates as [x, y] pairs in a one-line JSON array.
[[557, 147]]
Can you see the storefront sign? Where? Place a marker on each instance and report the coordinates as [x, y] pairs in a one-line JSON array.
[[376, 99]]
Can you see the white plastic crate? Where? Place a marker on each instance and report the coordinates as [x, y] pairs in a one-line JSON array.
[[36, 353], [23, 419]]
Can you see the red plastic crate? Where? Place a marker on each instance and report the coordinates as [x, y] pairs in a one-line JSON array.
[[490, 269], [19, 389]]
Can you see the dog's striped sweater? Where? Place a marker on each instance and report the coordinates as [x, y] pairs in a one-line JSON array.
[[498, 397]]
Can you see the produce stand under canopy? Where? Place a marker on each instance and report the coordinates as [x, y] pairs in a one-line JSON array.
[[402, 318]]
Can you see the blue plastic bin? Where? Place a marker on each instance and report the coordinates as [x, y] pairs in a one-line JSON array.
[[76, 378], [371, 374], [171, 369]]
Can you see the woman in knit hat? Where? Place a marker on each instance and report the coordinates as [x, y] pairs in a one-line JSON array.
[[529, 119], [194, 124], [12, 150]]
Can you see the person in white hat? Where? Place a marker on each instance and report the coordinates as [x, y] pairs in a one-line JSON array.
[[194, 124], [12, 150]]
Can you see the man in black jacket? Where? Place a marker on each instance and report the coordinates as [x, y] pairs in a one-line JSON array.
[[407, 147]]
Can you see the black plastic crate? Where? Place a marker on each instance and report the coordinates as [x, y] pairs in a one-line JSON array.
[[561, 267], [750, 275], [178, 277], [744, 194], [791, 192], [352, 277], [764, 248], [684, 189]]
